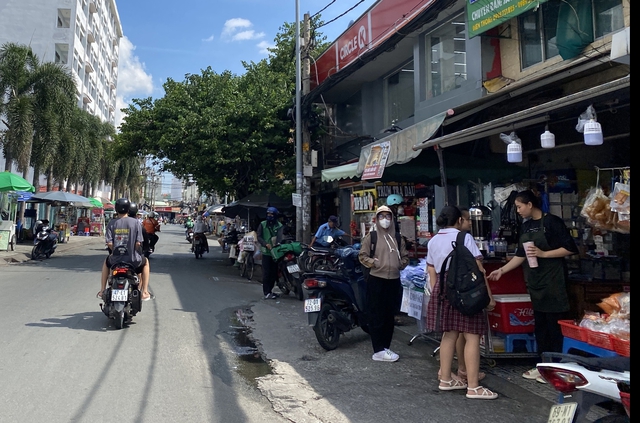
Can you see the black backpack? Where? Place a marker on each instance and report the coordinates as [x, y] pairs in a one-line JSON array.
[[465, 286]]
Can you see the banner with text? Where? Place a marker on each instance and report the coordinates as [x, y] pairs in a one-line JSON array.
[[483, 15]]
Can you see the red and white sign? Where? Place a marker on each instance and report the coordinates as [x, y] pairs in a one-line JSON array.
[[380, 22]]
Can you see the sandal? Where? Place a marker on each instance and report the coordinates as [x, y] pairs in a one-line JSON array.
[[531, 374], [481, 393], [463, 375], [452, 385]]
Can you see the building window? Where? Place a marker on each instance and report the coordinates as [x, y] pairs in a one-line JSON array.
[[64, 18], [348, 114], [446, 57], [62, 54], [539, 30], [399, 95]]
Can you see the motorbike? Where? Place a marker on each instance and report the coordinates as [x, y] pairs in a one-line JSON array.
[[198, 245], [122, 298], [189, 235], [285, 256], [46, 243], [585, 382], [315, 257], [335, 302]]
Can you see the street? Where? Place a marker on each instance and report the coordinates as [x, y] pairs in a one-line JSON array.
[[208, 348]]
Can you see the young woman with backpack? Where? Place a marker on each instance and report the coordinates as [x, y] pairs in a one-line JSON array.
[[443, 317]]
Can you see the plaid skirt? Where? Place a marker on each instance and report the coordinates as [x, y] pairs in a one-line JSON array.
[[450, 318]]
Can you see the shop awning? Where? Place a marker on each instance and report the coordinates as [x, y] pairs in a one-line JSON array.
[[346, 171], [524, 118], [402, 142]]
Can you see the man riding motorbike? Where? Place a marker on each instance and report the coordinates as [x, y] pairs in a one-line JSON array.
[[152, 226], [201, 228]]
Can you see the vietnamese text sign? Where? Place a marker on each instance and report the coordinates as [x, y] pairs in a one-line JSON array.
[[374, 167], [483, 15], [364, 201]]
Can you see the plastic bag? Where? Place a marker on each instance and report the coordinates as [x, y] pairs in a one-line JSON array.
[[597, 210], [621, 198]]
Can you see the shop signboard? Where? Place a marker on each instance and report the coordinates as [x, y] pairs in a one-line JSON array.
[[482, 15], [364, 201], [374, 167], [405, 189]]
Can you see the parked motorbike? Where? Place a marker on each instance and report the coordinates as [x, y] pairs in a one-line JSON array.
[[198, 245], [122, 297], [285, 256], [46, 243], [585, 382], [315, 257], [335, 302]]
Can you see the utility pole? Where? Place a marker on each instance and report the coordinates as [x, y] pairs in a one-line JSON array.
[[298, 116], [306, 136]]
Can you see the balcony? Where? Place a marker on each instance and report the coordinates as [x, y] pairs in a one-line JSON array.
[[93, 7], [86, 98], [90, 37], [88, 67]]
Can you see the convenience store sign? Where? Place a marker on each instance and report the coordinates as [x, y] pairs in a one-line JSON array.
[[482, 15]]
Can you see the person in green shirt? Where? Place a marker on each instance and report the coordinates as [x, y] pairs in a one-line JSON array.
[[269, 233]]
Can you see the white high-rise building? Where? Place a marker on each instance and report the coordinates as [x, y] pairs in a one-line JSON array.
[[84, 35]]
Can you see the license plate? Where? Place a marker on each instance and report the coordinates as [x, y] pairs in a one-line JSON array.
[[293, 268], [312, 305], [562, 413], [119, 295]]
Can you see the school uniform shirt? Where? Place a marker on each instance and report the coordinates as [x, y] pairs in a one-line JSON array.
[[439, 247]]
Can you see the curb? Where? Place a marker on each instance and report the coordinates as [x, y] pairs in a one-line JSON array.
[[22, 252]]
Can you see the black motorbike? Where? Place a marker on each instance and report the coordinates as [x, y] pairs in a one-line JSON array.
[[199, 245], [189, 235], [335, 302], [323, 258], [285, 256], [45, 244], [122, 297]]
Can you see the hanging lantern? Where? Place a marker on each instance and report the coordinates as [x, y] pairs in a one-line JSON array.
[[547, 139], [593, 133], [514, 152]]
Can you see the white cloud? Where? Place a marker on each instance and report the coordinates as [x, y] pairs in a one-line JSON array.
[[264, 46], [247, 35], [208, 40], [133, 80], [232, 26]]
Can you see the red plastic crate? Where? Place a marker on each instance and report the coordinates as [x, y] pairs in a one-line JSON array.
[[599, 339], [621, 346], [571, 330]]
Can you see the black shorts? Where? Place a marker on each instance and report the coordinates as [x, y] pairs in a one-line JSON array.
[[138, 270]]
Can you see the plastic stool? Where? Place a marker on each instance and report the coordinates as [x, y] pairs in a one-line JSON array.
[[529, 341], [569, 344]]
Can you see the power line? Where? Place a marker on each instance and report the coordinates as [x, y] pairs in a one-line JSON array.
[[323, 9], [340, 15]]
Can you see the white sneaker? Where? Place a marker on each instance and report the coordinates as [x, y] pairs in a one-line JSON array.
[[385, 355]]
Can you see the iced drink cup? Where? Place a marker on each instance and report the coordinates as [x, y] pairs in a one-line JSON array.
[[533, 260]]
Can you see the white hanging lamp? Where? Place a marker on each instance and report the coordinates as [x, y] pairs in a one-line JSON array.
[[547, 139]]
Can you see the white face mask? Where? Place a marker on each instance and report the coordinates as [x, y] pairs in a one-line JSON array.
[[385, 223]]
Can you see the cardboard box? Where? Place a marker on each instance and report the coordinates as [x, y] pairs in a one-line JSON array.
[[513, 314]]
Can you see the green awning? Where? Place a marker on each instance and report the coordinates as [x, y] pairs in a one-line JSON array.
[[346, 171]]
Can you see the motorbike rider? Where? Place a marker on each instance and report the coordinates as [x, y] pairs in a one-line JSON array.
[[330, 228], [189, 225], [152, 226], [269, 232], [125, 231], [133, 212], [201, 228]]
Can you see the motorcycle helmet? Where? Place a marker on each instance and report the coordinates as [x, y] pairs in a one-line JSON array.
[[133, 210], [122, 205], [394, 199], [272, 214]]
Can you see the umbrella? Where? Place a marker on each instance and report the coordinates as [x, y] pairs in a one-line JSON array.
[[256, 204], [12, 182], [60, 197], [95, 202], [216, 208]]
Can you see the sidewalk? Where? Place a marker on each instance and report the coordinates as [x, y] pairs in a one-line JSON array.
[[22, 251]]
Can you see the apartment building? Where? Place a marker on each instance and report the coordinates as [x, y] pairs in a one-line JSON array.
[[83, 35]]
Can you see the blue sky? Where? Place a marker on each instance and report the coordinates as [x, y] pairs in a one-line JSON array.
[[168, 39]]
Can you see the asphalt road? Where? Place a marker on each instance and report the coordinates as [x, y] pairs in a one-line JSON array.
[[210, 349]]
